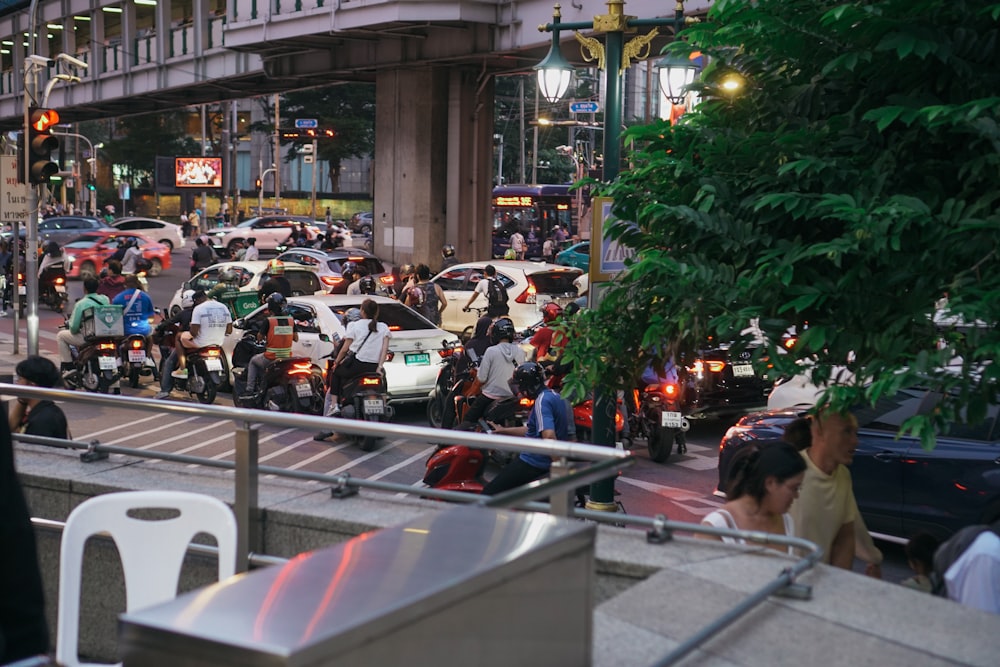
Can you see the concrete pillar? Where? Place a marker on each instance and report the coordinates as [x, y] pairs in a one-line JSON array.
[[433, 161]]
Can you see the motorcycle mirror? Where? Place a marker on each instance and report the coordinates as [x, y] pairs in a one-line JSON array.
[[323, 337]]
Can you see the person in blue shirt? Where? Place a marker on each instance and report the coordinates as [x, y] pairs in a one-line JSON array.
[[551, 418], [138, 308]]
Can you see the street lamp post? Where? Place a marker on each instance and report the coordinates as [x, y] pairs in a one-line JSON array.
[[614, 57]]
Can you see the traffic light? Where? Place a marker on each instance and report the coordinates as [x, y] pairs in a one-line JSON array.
[[41, 142], [258, 184]]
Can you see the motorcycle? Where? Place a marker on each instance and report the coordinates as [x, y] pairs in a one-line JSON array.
[[660, 419], [451, 383], [96, 363], [364, 397], [135, 358], [205, 373], [52, 288], [294, 384]]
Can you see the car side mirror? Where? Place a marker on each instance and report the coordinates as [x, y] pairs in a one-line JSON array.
[[240, 323], [326, 339]]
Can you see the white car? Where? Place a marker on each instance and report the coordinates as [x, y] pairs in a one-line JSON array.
[[530, 285], [166, 233], [271, 231], [303, 279], [417, 348]]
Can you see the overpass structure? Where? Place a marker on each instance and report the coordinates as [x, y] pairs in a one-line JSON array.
[[432, 62]]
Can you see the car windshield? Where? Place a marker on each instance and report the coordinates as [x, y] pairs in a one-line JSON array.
[[555, 282], [397, 316]]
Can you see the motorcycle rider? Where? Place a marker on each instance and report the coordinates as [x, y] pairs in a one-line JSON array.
[[180, 321], [448, 256], [477, 345], [112, 281], [274, 280], [228, 282], [132, 255], [279, 331], [354, 274], [138, 312], [547, 342], [210, 323], [551, 418], [405, 281], [351, 315], [251, 252], [357, 358], [495, 371], [53, 256], [71, 335]]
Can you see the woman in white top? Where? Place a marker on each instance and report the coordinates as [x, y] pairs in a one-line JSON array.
[[366, 343], [764, 480]]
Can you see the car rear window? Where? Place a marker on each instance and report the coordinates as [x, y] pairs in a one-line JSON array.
[[302, 282], [555, 282], [397, 316]]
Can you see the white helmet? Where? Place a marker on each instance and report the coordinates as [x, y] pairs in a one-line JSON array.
[[187, 299]]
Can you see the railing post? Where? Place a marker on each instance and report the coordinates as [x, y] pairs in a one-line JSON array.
[[247, 532], [560, 501]]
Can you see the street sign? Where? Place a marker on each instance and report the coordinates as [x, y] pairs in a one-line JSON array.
[[14, 203], [306, 123], [584, 107], [308, 159]]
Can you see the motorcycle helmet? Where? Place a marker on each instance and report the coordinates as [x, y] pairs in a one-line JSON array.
[[502, 328], [276, 267], [406, 270], [228, 276], [551, 311], [528, 379], [349, 269], [187, 299], [352, 315], [447, 250], [276, 303], [367, 285]]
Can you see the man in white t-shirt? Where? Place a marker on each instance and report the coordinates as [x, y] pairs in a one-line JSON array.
[[211, 322], [974, 578], [517, 245]]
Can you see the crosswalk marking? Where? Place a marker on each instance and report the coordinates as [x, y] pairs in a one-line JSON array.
[[402, 464]]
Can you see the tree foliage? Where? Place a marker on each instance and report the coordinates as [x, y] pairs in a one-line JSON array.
[[133, 142], [848, 189]]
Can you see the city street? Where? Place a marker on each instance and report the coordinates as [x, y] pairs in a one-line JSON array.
[[682, 488]]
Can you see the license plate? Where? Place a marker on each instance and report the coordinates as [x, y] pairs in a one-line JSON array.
[[303, 389], [374, 406], [137, 356], [107, 363], [422, 359], [671, 419], [22, 290], [743, 370], [61, 289], [213, 365]]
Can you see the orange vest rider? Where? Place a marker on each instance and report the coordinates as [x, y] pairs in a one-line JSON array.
[[280, 336]]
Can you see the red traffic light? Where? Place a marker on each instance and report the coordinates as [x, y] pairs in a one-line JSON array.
[[42, 120]]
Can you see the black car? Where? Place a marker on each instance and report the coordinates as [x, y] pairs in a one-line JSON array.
[[721, 382], [64, 228], [901, 488]]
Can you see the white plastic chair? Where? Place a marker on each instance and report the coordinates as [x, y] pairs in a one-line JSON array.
[[152, 552]]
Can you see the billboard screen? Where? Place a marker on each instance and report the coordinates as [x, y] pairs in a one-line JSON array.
[[198, 172]]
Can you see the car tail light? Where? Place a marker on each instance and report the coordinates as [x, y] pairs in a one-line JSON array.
[[331, 281], [301, 368], [387, 280], [371, 381], [789, 343], [450, 351], [138, 344], [528, 295], [700, 366]]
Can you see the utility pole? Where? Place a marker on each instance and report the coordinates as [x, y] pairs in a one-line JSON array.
[[277, 151]]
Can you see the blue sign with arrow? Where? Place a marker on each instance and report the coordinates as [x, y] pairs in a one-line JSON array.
[[584, 107]]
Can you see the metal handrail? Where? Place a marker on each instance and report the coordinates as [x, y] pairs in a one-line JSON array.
[[608, 461]]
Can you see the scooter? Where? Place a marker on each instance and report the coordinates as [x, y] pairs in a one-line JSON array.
[[294, 384], [365, 397], [52, 288], [96, 364], [450, 384], [206, 372], [136, 360], [661, 421]]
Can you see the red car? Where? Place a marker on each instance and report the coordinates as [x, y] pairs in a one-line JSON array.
[[89, 253]]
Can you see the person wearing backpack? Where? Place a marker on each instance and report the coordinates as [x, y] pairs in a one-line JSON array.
[[425, 297], [967, 567], [494, 292]]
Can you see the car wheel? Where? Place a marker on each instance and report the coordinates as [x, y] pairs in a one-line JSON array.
[[88, 270], [156, 268], [174, 310], [168, 243]]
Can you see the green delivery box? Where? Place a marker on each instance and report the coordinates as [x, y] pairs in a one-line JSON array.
[[240, 304], [101, 321]]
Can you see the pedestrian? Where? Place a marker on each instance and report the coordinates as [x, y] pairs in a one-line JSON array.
[[195, 219], [517, 244], [23, 629], [826, 511], [764, 481], [185, 224], [920, 557], [328, 219], [967, 567], [558, 236], [252, 252], [71, 336], [38, 416], [427, 298], [404, 281], [551, 418], [549, 250], [202, 256]]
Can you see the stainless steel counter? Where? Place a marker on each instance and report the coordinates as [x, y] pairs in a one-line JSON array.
[[469, 586]]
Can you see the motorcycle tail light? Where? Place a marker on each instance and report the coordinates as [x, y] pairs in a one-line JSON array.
[[59, 281], [371, 381], [669, 389], [619, 421], [528, 295], [106, 346], [212, 352], [450, 351], [138, 344], [526, 403], [303, 368]]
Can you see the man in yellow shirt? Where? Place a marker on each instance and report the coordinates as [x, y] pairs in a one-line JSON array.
[[825, 512]]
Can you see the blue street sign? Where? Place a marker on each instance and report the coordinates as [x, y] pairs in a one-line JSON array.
[[306, 123], [584, 107]]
